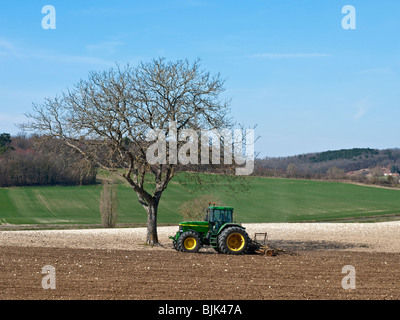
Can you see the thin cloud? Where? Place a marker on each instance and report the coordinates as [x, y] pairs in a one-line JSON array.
[[360, 112], [8, 49], [288, 55], [74, 59], [6, 45], [362, 107], [8, 122], [105, 47], [374, 71]]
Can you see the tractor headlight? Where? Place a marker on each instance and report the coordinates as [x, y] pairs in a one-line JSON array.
[[180, 228]]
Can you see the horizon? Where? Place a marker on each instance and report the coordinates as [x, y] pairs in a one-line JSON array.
[[291, 68], [28, 136]]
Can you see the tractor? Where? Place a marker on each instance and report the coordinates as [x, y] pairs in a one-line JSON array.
[[218, 230]]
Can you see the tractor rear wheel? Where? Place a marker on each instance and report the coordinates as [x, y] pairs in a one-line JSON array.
[[233, 240], [189, 242]]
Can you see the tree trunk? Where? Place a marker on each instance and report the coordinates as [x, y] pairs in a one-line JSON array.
[[152, 236], [150, 204]]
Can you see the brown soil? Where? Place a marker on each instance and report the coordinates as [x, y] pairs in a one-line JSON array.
[[311, 272]]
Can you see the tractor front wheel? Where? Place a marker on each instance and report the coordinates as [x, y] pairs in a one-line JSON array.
[[189, 242], [233, 240]]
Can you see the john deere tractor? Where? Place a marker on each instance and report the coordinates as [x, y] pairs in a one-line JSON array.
[[217, 230]]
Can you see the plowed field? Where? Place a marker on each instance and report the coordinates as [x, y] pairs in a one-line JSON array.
[[308, 269]]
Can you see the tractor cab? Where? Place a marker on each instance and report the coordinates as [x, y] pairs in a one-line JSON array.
[[218, 216]]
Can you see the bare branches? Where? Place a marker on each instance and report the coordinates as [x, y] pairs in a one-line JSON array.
[[107, 117]]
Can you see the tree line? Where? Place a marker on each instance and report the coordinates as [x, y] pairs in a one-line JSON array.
[[343, 154], [34, 161]]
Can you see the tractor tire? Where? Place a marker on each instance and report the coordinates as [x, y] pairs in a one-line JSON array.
[[233, 241], [189, 242]]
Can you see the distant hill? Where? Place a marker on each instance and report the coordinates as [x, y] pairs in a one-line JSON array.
[[344, 154], [312, 164]]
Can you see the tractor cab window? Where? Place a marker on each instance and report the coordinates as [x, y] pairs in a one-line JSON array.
[[220, 215]]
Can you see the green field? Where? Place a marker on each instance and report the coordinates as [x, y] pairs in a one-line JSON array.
[[269, 200]]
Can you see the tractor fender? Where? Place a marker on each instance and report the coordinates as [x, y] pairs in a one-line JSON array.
[[229, 224], [190, 230]]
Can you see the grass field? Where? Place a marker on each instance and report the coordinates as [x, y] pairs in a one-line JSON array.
[[269, 200]]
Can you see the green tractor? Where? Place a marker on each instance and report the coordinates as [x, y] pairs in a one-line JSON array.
[[218, 231]]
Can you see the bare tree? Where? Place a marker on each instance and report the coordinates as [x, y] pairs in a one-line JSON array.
[[195, 209], [108, 118], [335, 173], [291, 170]]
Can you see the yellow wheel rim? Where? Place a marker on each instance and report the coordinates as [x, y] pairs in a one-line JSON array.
[[235, 242], [190, 243]]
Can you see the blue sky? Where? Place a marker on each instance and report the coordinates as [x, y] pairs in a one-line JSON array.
[[308, 84]]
